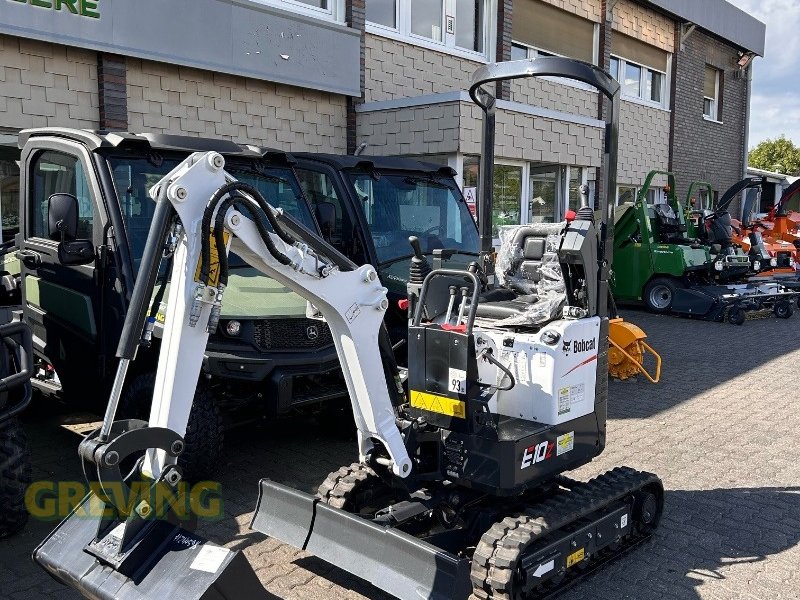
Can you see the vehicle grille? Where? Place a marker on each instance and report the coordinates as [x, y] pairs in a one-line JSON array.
[[291, 334]]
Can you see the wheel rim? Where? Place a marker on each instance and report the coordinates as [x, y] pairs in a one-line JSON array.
[[660, 297]]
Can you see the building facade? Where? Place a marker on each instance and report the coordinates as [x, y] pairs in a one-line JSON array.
[[330, 75]]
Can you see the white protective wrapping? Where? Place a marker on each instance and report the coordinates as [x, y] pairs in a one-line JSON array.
[[549, 289]]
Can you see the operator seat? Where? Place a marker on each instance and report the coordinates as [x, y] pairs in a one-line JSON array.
[[669, 226], [521, 277]]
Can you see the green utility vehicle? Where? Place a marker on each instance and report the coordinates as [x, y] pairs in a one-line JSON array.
[[266, 357], [655, 255], [382, 201]]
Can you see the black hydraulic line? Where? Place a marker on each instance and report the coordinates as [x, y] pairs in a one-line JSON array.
[[487, 354], [262, 204], [145, 280], [162, 288]]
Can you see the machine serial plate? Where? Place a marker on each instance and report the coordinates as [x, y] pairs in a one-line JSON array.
[[439, 404]]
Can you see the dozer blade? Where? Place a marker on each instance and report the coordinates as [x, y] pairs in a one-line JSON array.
[[396, 562], [176, 564]]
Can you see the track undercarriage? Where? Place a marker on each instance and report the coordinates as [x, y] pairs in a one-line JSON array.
[[531, 546]]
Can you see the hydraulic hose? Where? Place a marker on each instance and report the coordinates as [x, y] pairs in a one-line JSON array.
[[265, 208], [487, 354]]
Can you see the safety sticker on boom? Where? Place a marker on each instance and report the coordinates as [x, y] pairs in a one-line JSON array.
[[213, 272], [439, 404]]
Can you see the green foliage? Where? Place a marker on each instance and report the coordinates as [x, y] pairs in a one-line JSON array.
[[779, 155]]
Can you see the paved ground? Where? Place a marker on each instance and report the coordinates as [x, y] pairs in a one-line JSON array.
[[721, 431]]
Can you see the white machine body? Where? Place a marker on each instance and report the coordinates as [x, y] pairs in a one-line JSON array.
[[353, 304], [554, 382]]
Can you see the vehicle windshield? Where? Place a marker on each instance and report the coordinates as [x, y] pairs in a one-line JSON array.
[[402, 205], [135, 175]]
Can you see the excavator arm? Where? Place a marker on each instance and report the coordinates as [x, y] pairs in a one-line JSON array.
[[352, 303]]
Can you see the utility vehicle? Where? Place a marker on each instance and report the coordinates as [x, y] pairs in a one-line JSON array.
[[265, 357]]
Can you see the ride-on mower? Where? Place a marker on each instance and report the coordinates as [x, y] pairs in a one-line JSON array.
[[692, 270], [459, 488]]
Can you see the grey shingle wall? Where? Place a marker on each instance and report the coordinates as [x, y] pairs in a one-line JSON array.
[[643, 142]]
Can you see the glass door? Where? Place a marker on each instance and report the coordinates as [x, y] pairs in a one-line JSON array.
[[506, 209], [544, 193]]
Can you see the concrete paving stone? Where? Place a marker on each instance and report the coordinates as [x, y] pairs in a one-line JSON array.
[[720, 430]]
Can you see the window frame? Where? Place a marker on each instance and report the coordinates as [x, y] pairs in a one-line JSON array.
[[644, 70], [714, 116], [534, 52], [403, 32], [335, 12]]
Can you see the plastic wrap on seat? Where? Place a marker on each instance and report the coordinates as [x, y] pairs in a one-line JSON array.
[[548, 285]]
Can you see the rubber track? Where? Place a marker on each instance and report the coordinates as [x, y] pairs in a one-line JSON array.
[[500, 549], [338, 485]]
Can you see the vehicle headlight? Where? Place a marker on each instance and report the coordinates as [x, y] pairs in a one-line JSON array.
[[719, 266], [233, 328], [756, 265], [773, 262]]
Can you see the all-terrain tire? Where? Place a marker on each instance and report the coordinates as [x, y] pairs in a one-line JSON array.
[[659, 294], [205, 432], [783, 309], [15, 476]]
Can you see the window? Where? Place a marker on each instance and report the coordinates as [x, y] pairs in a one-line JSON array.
[[711, 94], [552, 30], [640, 68], [626, 194], [506, 196], [326, 9], [59, 173], [9, 193], [319, 189], [398, 206], [382, 12], [460, 25]]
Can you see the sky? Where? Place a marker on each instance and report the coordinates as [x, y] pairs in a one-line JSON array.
[[775, 105]]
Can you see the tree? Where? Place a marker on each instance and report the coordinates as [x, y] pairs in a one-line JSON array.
[[779, 155]]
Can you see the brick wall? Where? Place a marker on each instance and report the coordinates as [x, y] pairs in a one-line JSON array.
[[45, 85], [398, 70], [643, 142], [169, 99], [704, 150], [644, 24]]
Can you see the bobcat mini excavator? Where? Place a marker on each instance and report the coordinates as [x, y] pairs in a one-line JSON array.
[[459, 489]]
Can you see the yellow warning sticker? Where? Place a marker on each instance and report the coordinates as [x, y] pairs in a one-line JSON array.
[[213, 272], [439, 404], [576, 557]]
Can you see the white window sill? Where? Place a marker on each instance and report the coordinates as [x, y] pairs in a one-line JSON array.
[[647, 103], [710, 120], [393, 34], [333, 15]]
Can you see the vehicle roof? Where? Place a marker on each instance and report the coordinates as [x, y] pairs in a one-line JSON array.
[[379, 163], [98, 140]]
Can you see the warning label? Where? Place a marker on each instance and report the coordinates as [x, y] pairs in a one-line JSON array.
[[565, 443], [213, 272], [570, 396], [439, 404]]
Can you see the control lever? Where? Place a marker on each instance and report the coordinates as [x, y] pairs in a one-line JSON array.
[[453, 290], [463, 306]]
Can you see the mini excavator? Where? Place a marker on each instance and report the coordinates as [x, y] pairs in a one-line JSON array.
[[459, 490]]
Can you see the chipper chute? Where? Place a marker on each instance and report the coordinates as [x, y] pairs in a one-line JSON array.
[[459, 486]]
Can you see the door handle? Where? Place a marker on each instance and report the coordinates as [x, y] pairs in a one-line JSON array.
[[30, 258]]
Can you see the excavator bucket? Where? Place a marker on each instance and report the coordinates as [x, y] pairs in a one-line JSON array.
[[166, 561], [627, 349]]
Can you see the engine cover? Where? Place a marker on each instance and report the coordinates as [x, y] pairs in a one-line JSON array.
[[555, 370]]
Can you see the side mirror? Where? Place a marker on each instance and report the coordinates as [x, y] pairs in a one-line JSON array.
[[62, 217], [326, 217]]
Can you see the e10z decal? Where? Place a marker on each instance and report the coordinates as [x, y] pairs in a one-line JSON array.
[[537, 453]]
